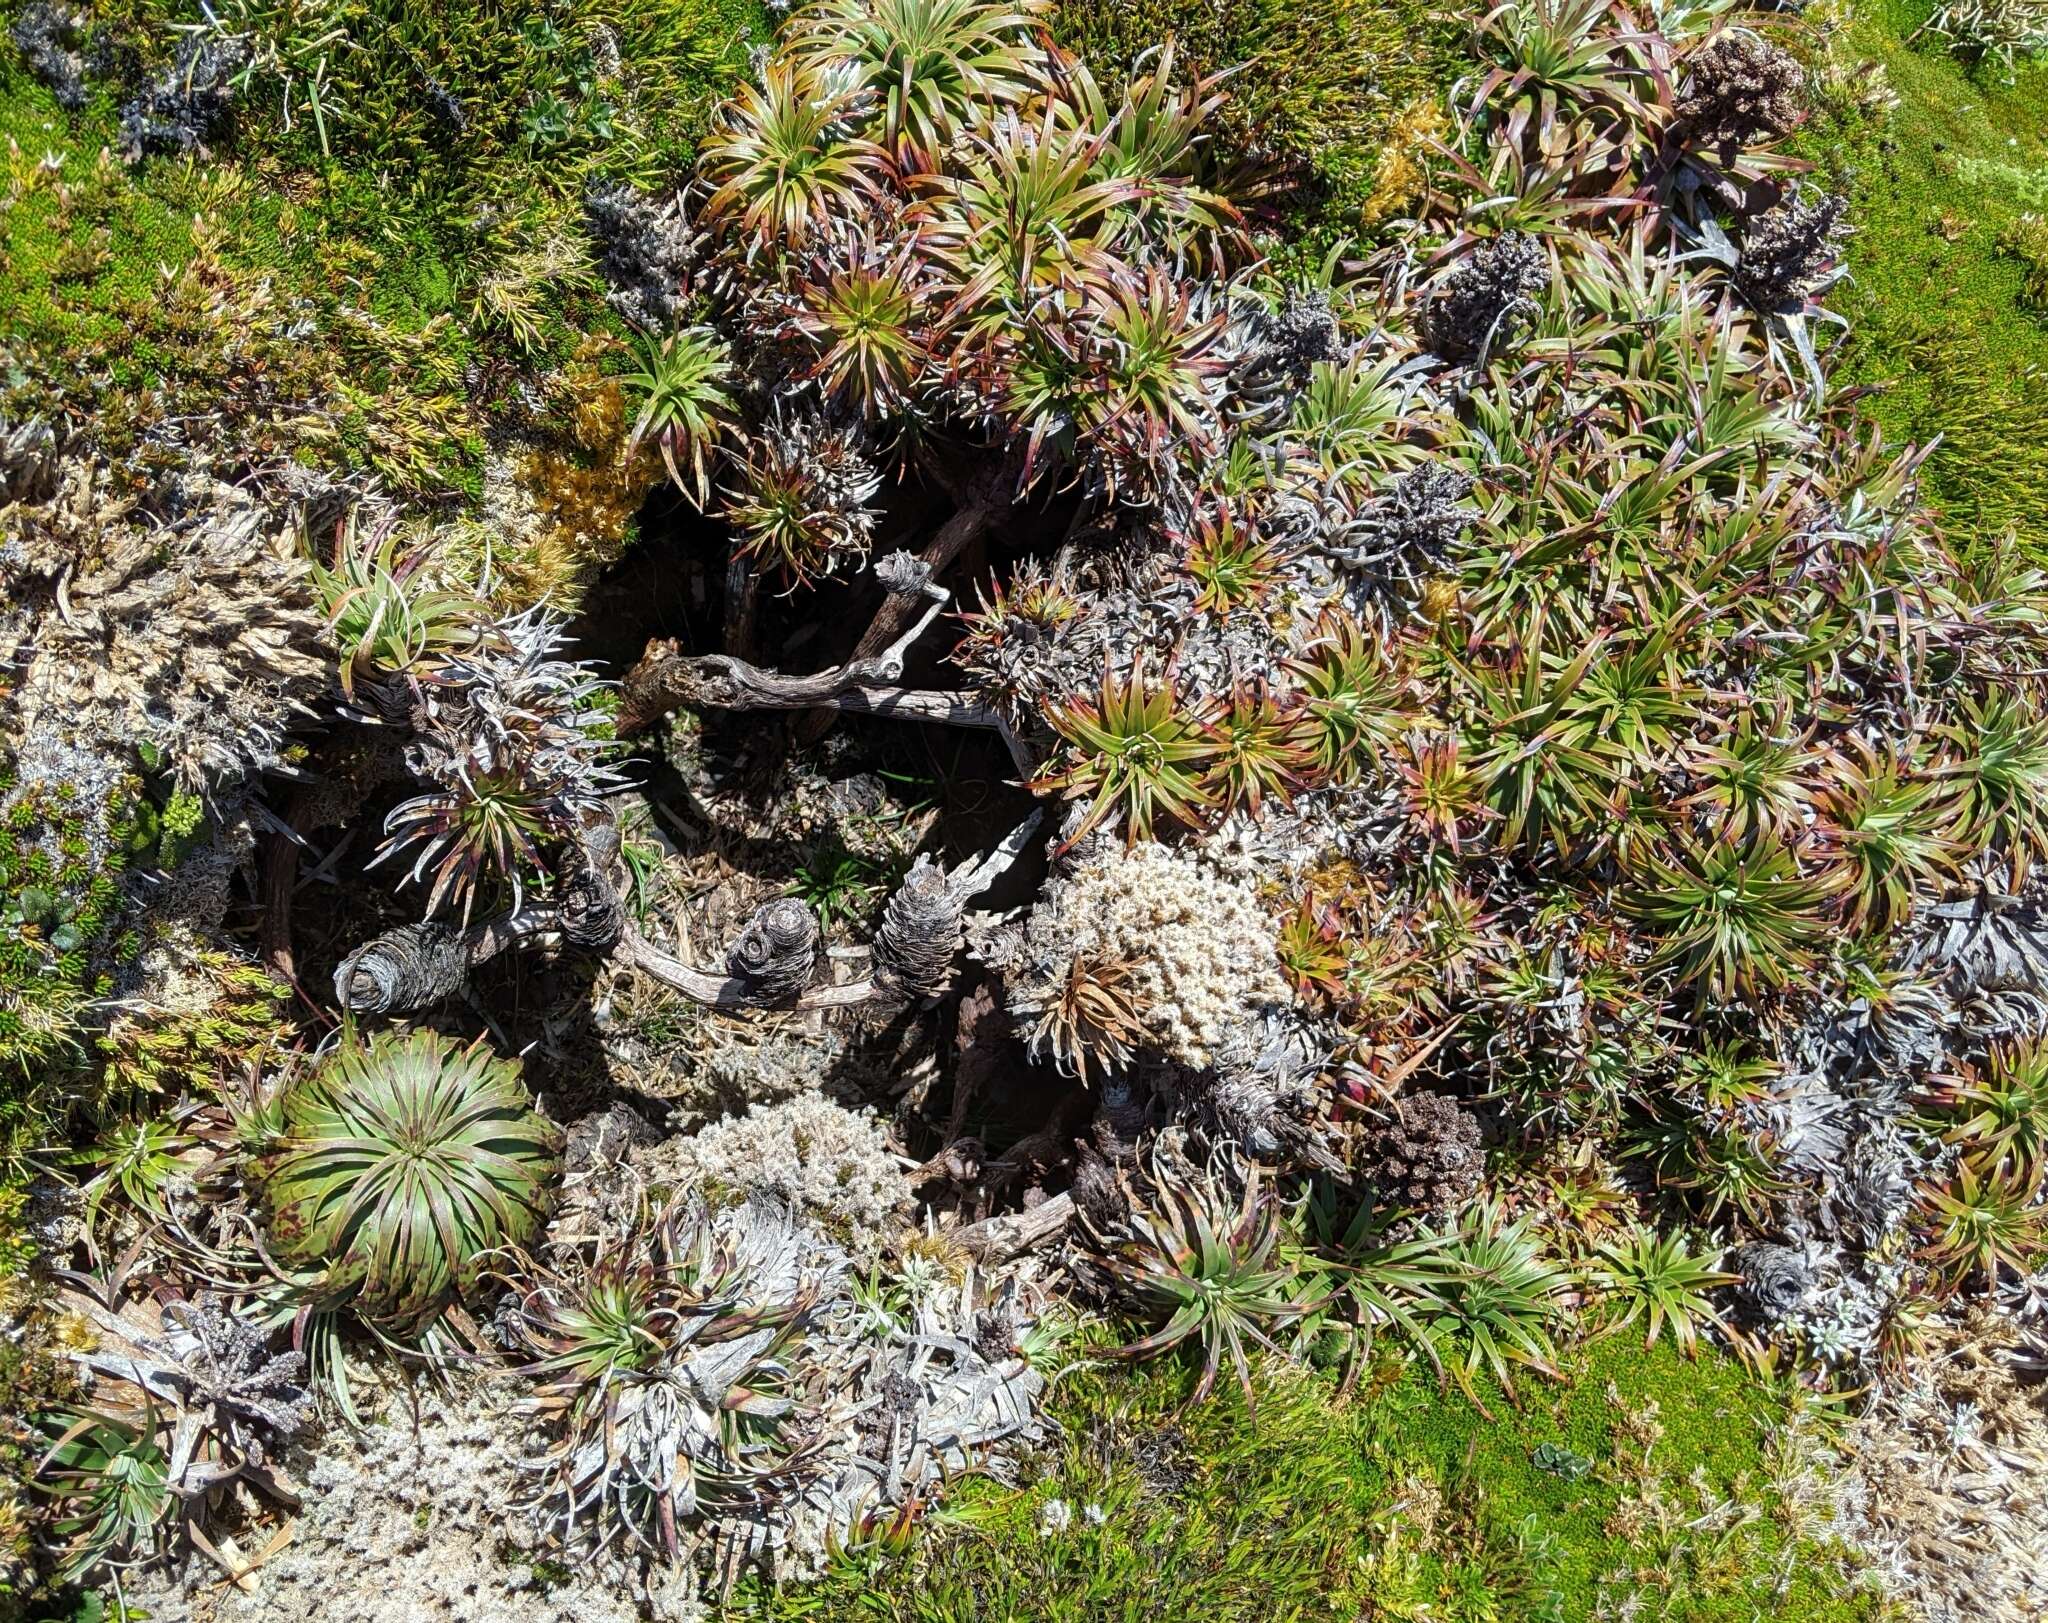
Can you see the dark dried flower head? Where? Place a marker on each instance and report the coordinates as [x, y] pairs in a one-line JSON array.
[[407, 968], [1427, 1157], [777, 952], [1301, 332], [920, 935], [1742, 90], [1789, 252], [1474, 310]]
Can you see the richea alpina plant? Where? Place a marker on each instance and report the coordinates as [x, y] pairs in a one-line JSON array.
[[1421, 798]]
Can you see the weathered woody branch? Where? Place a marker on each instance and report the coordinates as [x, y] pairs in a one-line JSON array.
[[667, 679], [773, 963]]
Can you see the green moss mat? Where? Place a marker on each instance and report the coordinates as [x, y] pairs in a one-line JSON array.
[[363, 291], [1324, 92], [1942, 329], [1641, 1474]]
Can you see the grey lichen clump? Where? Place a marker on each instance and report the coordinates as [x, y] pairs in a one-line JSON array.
[[189, 107], [199, 639], [831, 1164], [1137, 951], [51, 39]]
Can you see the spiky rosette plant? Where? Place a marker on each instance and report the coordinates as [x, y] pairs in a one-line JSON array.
[[1354, 698], [685, 406], [511, 750], [1230, 561], [1662, 1280], [799, 504], [783, 163], [392, 1168], [1999, 1111], [1205, 1262], [383, 615], [930, 63], [661, 1371], [1137, 750], [2000, 770]]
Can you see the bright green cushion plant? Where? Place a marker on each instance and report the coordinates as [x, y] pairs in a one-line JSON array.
[[395, 1165]]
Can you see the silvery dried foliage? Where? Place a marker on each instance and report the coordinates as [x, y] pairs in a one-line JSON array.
[[946, 1389], [782, 1412], [1839, 1117], [230, 1401], [646, 252], [1261, 1092], [1398, 537], [802, 493], [508, 723], [1866, 1197], [28, 464], [1122, 612], [641, 1445], [1989, 954]]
